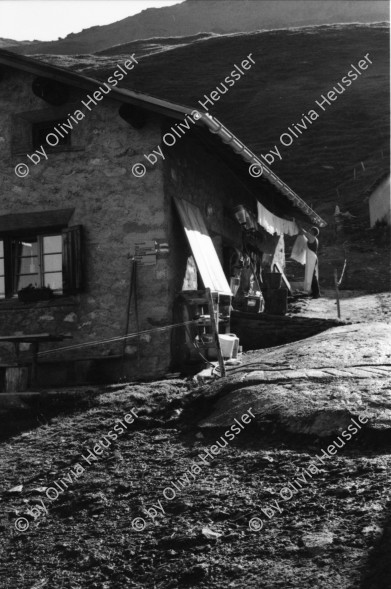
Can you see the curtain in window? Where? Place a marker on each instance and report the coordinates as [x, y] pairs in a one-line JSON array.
[[25, 263], [72, 262]]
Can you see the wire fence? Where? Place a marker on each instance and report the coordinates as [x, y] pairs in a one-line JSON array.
[[136, 334]]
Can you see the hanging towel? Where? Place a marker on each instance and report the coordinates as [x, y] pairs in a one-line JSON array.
[[299, 250], [311, 266]]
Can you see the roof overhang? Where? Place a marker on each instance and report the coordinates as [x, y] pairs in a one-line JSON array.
[[229, 146], [290, 203], [54, 72]]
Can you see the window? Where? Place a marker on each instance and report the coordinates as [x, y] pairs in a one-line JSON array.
[[42, 129], [37, 261], [50, 259], [29, 130]]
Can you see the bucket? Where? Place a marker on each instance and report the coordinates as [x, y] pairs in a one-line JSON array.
[[228, 342], [272, 280]]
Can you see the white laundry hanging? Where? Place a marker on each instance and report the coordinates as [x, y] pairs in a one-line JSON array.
[[274, 224], [299, 250]]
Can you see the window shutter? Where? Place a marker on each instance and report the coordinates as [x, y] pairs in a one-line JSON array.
[[72, 259]]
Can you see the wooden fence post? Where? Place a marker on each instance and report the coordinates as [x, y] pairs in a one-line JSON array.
[[337, 293]]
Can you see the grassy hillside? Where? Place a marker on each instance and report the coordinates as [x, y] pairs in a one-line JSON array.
[[8, 42], [218, 16]]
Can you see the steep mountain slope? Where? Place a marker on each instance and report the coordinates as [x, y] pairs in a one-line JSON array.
[[292, 69], [336, 159], [218, 16]]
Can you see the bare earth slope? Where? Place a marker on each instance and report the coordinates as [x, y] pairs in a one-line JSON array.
[[314, 386]]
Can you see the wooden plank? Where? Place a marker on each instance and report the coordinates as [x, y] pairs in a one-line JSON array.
[[35, 220], [337, 294], [216, 333], [284, 278], [16, 379], [201, 244]]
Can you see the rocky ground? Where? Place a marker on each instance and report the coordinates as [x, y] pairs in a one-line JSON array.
[[230, 523]]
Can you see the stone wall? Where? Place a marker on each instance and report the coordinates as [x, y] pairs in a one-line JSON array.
[[115, 209]]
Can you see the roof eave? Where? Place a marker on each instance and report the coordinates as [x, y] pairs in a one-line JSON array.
[[166, 108], [33, 66], [249, 157]]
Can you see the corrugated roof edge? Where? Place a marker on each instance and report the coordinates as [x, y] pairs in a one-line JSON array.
[[160, 106]]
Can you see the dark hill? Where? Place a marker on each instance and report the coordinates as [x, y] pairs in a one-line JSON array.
[[338, 157], [215, 16]]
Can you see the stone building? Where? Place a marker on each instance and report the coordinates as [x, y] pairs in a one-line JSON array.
[[77, 206]]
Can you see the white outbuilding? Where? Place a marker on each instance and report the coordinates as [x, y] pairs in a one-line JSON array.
[[380, 201]]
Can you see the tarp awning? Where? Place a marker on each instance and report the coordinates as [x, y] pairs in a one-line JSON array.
[[204, 251]]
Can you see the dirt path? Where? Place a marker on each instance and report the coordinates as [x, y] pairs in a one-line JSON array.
[[356, 306], [321, 538], [117, 526]]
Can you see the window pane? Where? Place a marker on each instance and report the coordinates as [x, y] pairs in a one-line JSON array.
[[25, 262], [52, 263], [1, 267], [27, 255], [28, 265], [2, 289], [27, 248], [54, 280], [23, 281], [1, 249], [52, 244]]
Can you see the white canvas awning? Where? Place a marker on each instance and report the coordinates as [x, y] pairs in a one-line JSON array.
[[204, 251]]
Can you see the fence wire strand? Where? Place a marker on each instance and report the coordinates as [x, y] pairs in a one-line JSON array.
[[115, 339]]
